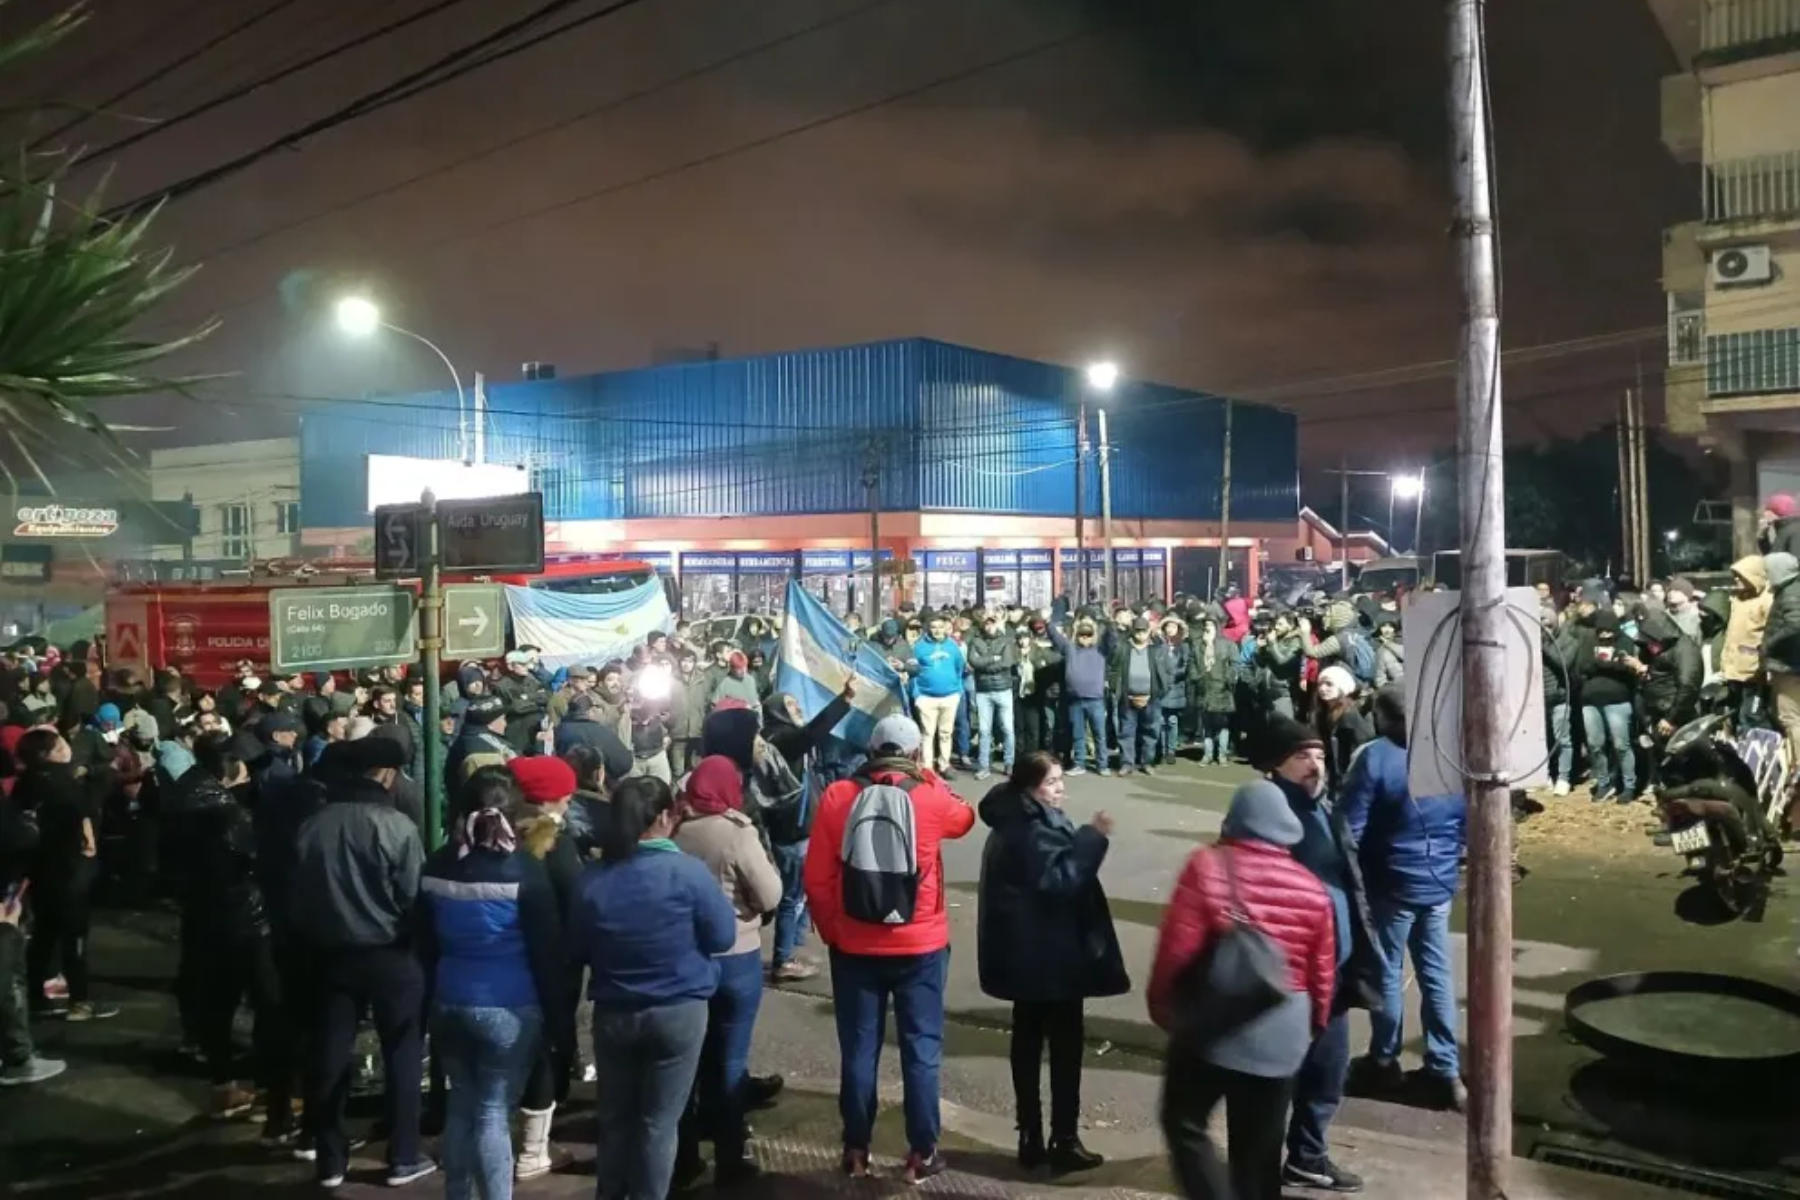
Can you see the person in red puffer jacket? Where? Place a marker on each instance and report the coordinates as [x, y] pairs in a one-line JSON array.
[[1251, 1068]]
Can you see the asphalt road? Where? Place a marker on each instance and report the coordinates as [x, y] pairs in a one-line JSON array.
[[1577, 916]]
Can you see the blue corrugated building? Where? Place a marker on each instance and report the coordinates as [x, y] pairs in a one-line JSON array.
[[770, 456]]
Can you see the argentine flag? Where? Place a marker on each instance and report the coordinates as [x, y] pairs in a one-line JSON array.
[[818, 654]]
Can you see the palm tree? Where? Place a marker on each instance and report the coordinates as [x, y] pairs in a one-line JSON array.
[[74, 285]]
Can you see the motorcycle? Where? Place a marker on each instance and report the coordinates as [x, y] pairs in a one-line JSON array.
[[1724, 798]]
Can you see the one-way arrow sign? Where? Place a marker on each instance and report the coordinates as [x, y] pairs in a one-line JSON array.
[[399, 540], [474, 620]]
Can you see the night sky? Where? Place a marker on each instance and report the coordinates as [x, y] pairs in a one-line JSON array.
[[1247, 198]]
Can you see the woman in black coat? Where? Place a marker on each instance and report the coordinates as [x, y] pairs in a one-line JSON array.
[[1046, 943]]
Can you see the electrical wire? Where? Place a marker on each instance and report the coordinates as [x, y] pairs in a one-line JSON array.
[[435, 74], [102, 107]]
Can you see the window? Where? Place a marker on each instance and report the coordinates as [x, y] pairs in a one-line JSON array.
[[234, 531], [287, 516], [1687, 328]]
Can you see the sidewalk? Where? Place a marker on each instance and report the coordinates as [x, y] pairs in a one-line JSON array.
[[796, 1146]]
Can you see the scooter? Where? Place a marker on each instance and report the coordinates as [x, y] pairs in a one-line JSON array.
[[1724, 798]]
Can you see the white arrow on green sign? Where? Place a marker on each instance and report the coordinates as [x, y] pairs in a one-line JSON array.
[[333, 629], [474, 620]]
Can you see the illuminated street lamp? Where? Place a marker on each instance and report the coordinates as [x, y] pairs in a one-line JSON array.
[[1102, 376], [1408, 487], [1405, 488], [359, 317]]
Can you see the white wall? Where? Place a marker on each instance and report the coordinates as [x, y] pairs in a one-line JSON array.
[[259, 478], [1752, 117]]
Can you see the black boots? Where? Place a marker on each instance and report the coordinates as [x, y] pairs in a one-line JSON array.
[[1068, 1155], [1031, 1147]]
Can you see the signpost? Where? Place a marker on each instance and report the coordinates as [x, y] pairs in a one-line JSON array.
[[328, 629], [399, 540], [501, 533], [474, 620]]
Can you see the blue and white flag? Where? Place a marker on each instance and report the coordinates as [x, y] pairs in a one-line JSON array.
[[582, 630], [818, 654]]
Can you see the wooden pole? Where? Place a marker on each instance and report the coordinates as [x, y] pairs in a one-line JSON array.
[[1641, 465], [1080, 591], [1627, 539], [1344, 523], [1486, 628], [1225, 508]]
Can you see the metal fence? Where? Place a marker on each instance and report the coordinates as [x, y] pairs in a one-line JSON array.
[[1767, 185], [1729, 23], [1756, 362]]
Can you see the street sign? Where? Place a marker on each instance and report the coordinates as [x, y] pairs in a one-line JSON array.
[[329, 629], [501, 533], [399, 540], [474, 620]]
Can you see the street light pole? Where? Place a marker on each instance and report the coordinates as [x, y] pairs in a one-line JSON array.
[[360, 317], [1081, 447], [1106, 537]]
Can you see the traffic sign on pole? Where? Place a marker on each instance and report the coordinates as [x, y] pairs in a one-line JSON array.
[[501, 533], [474, 620], [400, 540], [329, 629]]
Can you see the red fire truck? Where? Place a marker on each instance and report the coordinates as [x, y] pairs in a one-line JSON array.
[[206, 629]]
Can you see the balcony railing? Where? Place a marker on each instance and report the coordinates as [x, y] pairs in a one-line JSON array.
[[1740, 189], [1757, 362], [1741, 24]]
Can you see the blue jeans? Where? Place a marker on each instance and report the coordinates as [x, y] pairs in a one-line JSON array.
[[995, 708], [791, 921], [1606, 726], [486, 1055], [963, 718], [1087, 716], [725, 1056], [1318, 1091], [1171, 731], [1139, 729], [646, 1059], [1562, 746], [1424, 929], [861, 986]]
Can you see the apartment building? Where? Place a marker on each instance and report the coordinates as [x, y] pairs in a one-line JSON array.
[[1733, 274]]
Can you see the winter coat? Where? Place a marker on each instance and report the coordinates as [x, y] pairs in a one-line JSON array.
[[1410, 850], [550, 841], [1118, 668], [1278, 895], [1390, 662], [1329, 852], [1781, 636], [475, 747], [1178, 661], [525, 697], [1671, 687], [210, 858], [648, 929], [1782, 537], [794, 742], [58, 803], [734, 687], [994, 660], [1044, 931], [1605, 681], [357, 864], [1559, 647], [1084, 667], [1740, 653], [1046, 680], [688, 701], [1215, 687], [727, 843], [938, 815], [1237, 619], [490, 935], [1344, 735]]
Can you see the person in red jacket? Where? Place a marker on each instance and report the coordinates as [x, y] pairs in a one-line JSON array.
[[1251, 1068], [905, 961]]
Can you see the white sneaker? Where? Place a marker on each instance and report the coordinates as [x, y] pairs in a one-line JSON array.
[[1561, 788], [32, 1070]]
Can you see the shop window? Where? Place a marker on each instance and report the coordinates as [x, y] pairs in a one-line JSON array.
[[234, 531]]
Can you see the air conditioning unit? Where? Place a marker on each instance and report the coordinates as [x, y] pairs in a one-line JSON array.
[[1742, 266]]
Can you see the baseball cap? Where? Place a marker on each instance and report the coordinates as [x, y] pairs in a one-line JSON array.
[[897, 733]]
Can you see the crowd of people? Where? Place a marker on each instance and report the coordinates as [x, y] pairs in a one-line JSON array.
[[620, 835]]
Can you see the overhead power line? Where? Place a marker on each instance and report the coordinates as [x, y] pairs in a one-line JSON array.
[[274, 77], [102, 107], [413, 84]]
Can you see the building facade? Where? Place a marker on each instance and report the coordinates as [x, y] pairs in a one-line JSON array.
[[737, 475], [246, 497], [1732, 275]]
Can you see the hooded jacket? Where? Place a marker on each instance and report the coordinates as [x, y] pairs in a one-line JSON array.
[[1604, 678], [793, 741], [210, 839], [1671, 688], [1781, 636], [1251, 869], [1044, 931], [1410, 850], [1215, 684], [1740, 653], [727, 843]]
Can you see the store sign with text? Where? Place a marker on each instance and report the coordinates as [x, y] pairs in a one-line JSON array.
[[60, 521]]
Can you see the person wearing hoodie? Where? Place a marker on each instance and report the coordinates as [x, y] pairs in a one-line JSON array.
[[937, 667], [789, 829], [994, 663], [1559, 648], [481, 743], [1340, 723], [688, 701], [1178, 714], [1410, 848], [1781, 644], [1084, 691], [715, 830], [1252, 875], [1778, 526], [1045, 943], [1608, 671], [1390, 651], [1739, 660], [1671, 678], [736, 684], [1215, 680], [1294, 757]]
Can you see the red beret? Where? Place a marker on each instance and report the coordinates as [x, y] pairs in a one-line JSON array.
[[1781, 505], [543, 780]]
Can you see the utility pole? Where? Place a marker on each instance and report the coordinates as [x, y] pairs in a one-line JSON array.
[[872, 481], [1081, 450], [1486, 629], [431, 662], [1112, 589], [1225, 507], [1344, 523], [480, 418], [1419, 526]]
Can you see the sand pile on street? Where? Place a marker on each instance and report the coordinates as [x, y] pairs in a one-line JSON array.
[[1574, 824]]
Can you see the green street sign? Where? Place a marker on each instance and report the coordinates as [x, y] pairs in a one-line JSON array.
[[474, 620], [334, 628]]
